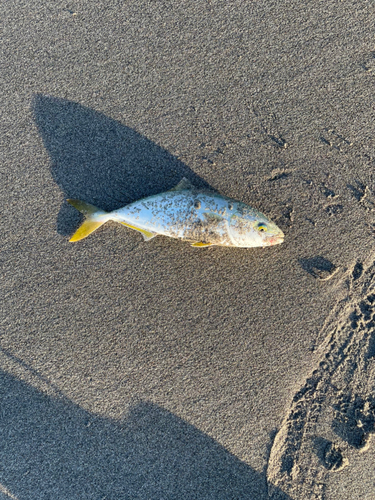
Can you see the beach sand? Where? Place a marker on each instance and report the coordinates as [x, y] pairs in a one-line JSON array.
[[139, 370]]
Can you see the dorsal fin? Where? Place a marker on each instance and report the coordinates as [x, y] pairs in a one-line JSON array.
[[182, 185]]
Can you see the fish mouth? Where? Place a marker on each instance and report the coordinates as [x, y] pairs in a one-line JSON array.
[[276, 240]]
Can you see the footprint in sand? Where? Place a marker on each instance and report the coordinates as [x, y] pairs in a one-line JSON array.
[[333, 414], [319, 267]]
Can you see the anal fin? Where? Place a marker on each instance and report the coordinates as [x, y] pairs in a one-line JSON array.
[[147, 235], [200, 244]]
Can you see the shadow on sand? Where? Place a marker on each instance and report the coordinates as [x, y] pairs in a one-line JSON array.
[[52, 448], [99, 160]]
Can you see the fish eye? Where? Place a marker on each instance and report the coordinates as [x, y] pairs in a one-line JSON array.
[[262, 227]]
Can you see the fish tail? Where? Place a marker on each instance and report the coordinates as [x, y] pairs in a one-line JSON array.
[[94, 218]]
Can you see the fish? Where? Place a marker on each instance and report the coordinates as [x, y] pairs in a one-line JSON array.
[[202, 217]]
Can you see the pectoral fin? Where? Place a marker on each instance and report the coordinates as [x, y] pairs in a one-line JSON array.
[[200, 244], [147, 235], [210, 217]]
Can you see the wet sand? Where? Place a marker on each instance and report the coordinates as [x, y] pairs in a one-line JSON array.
[[137, 370]]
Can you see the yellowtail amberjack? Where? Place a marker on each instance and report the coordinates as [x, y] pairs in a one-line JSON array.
[[201, 217]]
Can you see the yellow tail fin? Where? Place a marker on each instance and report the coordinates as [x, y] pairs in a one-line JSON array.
[[94, 219]]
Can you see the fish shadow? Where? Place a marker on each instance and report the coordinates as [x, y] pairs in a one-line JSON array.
[[52, 448], [101, 161]]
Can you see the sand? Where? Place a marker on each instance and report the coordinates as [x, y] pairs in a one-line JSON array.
[[153, 370]]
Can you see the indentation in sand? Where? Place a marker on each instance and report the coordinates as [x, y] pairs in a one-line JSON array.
[[333, 414]]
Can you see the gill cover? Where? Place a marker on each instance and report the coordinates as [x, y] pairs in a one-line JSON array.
[[242, 232]]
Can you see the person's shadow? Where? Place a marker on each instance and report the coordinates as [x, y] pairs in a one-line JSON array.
[[52, 448], [101, 161]]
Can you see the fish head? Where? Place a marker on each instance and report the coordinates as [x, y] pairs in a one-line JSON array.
[[253, 229]]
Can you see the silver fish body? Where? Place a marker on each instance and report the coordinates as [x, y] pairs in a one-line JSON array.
[[202, 217]]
